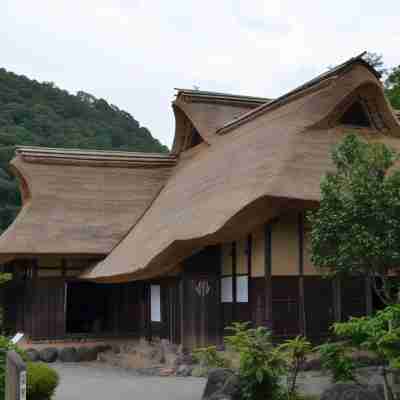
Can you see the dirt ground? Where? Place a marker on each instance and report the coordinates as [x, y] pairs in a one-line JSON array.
[[98, 381]]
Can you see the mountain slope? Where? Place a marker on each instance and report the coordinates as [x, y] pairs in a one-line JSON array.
[[40, 114]]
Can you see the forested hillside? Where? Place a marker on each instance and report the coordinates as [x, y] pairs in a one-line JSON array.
[[40, 114]]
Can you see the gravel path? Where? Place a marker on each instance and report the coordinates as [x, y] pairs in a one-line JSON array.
[[87, 381]]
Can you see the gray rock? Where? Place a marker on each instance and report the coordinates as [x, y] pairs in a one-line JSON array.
[[68, 354], [184, 370], [86, 353], [33, 355], [222, 384], [344, 391], [185, 359], [48, 354]]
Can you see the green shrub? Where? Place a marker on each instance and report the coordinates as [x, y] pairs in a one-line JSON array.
[[210, 358], [6, 345], [42, 381], [294, 353], [378, 334], [260, 366]]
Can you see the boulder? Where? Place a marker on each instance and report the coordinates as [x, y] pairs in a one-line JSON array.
[[344, 391], [32, 355], [222, 383], [184, 370], [48, 354], [86, 353], [185, 359], [68, 354]]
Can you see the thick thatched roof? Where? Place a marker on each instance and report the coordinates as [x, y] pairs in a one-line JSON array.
[[80, 202], [248, 169], [208, 111]]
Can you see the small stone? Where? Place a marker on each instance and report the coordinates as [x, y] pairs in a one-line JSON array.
[[184, 370], [167, 371], [68, 354], [48, 354]]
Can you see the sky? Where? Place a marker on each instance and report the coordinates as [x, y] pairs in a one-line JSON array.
[[133, 53]]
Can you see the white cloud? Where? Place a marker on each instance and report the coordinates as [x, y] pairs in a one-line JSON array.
[[133, 53]]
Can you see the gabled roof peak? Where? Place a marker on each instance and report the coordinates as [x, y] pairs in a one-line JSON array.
[[315, 82], [215, 97]]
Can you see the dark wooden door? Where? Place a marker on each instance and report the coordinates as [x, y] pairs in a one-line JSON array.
[[353, 297], [319, 308], [285, 306], [201, 324]]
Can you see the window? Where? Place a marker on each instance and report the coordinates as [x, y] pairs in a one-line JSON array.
[[155, 304], [226, 289], [242, 289], [234, 272], [356, 115]]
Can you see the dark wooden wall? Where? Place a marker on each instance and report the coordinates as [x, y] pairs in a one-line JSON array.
[[39, 307], [201, 314], [36, 307]]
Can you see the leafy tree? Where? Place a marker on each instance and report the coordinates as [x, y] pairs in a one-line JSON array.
[[356, 230], [41, 114], [376, 61], [392, 87]]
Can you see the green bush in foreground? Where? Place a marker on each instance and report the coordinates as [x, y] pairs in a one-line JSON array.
[[378, 334], [42, 381], [265, 371]]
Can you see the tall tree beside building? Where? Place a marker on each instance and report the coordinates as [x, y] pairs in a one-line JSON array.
[[40, 114], [356, 230], [392, 85]]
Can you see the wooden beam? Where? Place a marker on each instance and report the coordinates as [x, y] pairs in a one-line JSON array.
[[268, 285]]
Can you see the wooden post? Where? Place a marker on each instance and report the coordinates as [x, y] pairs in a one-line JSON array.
[[337, 298], [249, 249], [234, 283], [268, 284], [302, 311], [15, 377]]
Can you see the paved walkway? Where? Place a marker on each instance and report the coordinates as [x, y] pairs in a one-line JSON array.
[[87, 381]]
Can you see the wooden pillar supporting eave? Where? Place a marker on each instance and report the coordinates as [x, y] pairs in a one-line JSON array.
[[302, 311], [267, 274]]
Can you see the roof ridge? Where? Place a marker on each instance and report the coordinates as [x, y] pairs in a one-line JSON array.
[[52, 151], [325, 76], [221, 95]]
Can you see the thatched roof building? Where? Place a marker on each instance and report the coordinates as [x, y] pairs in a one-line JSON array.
[[236, 162], [242, 160]]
